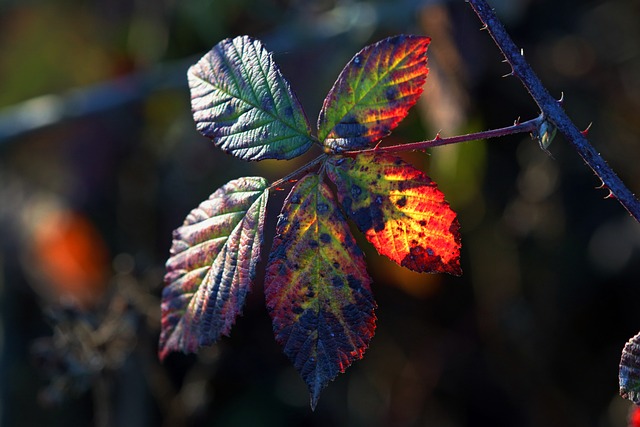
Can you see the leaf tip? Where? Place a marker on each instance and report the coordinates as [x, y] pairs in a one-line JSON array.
[[314, 397]]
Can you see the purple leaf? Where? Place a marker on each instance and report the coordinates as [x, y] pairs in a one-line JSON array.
[[212, 264]]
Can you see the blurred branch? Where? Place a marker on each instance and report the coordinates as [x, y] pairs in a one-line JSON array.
[[350, 18], [46, 110], [552, 109]]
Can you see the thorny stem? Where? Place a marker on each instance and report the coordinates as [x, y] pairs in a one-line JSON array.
[[552, 109], [531, 126]]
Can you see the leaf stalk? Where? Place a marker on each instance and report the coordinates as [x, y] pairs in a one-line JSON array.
[[531, 126]]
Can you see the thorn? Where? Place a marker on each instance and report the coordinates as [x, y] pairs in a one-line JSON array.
[[601, 186], [484, 27], [504, 61], [508, 74], [586, 131], [610, 195], [438, 137], [521, 52], [516, 122], [377, 145], [279, 189], [561, 100], [293, 180]]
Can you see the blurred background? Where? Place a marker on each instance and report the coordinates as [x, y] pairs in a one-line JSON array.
[[100, 161]]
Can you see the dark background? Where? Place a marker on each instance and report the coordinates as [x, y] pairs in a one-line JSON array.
[[100, 160]]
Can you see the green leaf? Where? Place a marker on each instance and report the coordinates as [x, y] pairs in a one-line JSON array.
[[212, 264], [317, 288], [400, 210], [243, 103], [373, 93]]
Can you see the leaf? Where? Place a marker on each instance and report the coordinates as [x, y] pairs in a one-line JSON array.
[[630, 370], [213, 261], [317, 288], [373, 93], [400, 210], [243, 103]]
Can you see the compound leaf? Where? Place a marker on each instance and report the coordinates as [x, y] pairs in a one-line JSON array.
[[400, 210], [213, 260], [241, 101], [373, 93], [317, 288]]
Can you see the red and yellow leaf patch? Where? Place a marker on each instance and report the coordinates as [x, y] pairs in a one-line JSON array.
[[373, 93], [317, 288], [400, 210]]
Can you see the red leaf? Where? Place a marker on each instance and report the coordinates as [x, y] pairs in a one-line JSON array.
[[317, 288], [400, 210], [374, 92]]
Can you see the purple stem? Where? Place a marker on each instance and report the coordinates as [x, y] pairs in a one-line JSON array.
[[530, 126], [552, 109]]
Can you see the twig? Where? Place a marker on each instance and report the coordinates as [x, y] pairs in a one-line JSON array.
[[552, 109], [531, 126]]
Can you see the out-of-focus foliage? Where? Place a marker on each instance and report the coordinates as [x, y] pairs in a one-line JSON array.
[[530, 334]]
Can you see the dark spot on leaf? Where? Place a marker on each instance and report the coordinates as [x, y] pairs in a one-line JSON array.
[[422, 223], [353, 282], [322, 208], [325, 238], [295, 199], [391, 93], [397, 40], [313, 243], [336, 265], [368, 218], [288, 112], [401, 202], [419, 259], [398, 161], [297, 309], [351, 132], [336, 282], [310, 293], [355, 192]]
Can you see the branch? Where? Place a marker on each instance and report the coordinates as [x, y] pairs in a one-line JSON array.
[[552, 109], [531, 126]]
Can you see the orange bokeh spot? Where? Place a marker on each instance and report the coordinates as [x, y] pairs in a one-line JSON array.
[[72, 256]]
